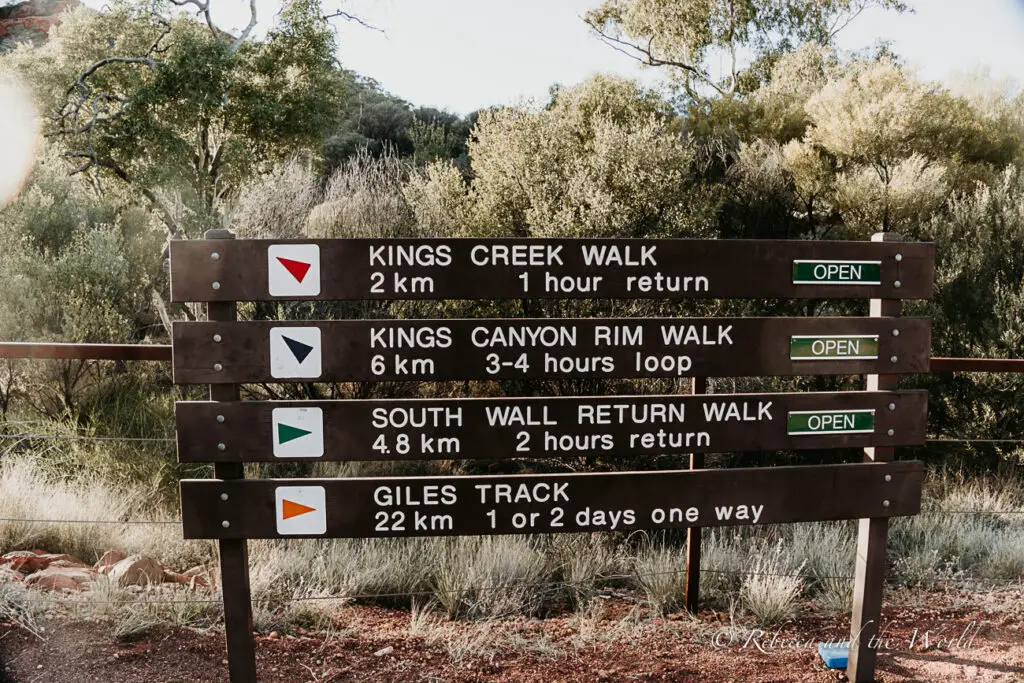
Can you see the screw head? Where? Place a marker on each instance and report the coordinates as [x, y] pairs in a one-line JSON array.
[[888, 477], [218, 367], [215, 256], [897, 284], [217, 338], [899, 257], [894, 359], [220, 418], [222, 447], [890, 433], [895, 333], [227, 524], [224, 496], [885, 504], [892, 406], [216, 285]]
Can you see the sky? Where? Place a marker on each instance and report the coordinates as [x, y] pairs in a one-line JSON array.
[[462, 55], [467, 54]]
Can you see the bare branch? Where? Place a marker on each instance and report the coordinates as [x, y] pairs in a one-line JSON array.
[[646, 56], [353, 18], [248, 29], [202, 7]]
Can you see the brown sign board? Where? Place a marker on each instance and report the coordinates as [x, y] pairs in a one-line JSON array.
[[486, 428], [486, 349], [465, 268], [546, 503]]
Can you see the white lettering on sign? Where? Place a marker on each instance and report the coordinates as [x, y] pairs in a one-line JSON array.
[[669, 440], [675, 515], [427, 494], [615, 255], [301, 510], [631, 413], [411, 338], [739, 512], [619, 335], [518, 416], [295, 352], [516, 255], [426, 255], [567, 364], [298, 432], [701, 335], [540, 492], [735, 411], [605, 519], [432, 416], [571, 443], [293, 269], [524, 336], [835, 347], [667, 283]]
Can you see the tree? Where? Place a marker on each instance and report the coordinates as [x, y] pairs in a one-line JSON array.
[[604, 158], [681, 35], [175, 109]]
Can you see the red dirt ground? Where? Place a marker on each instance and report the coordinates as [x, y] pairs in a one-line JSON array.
[[984, 642]]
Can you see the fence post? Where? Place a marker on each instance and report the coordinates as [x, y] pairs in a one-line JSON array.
[[693, 534], [234, 553], [872, 534]]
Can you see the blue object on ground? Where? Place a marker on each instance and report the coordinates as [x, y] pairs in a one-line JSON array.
[[835, 655]]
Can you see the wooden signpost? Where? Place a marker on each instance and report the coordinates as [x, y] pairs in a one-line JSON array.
[[488, 428], [224, 353], [360, 269], [547, 348]]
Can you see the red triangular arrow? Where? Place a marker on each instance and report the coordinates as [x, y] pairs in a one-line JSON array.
[[289, 509], [298, 269]]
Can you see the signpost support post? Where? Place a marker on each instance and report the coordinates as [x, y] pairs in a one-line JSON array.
[[873, 533], [693, 534], [234, 553]]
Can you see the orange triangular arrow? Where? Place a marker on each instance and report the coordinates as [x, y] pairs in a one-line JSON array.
[[291, 509]]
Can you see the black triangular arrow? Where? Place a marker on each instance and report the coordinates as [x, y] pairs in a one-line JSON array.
[[299, 350]]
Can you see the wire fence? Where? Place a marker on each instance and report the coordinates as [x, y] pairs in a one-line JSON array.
[[603, 580]]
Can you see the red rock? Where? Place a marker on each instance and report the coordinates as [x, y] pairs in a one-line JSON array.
[[175, 577], [137, 570], [109, 559], [27, 561], [61, 578]]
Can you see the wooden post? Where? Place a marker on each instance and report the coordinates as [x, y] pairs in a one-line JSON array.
[[234, 553], [693, 534], [872, 534]]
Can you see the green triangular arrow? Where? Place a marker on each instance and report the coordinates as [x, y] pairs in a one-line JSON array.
[[286, 433]]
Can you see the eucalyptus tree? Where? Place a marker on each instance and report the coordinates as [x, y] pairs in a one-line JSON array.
[[146, 98]]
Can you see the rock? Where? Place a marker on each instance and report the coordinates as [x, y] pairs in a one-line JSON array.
[[61, 578], [384, 651], [201, 576], [27, 561], [21, 558], [137, 570], [109, 559], [175, 577]]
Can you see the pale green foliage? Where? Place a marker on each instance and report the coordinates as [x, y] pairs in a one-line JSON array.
[[440, 201], [605, 158], [683, 35], [876, 114], [74, 269], [179, 106], [909, 191]]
